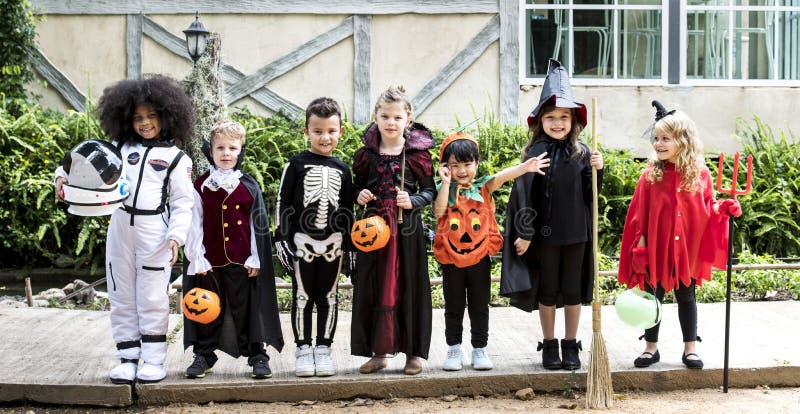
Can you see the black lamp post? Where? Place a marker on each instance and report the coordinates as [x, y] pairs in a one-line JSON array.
[[196, 38]]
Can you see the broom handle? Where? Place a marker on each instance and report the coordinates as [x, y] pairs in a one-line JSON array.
[[596, 302], [402, 184]]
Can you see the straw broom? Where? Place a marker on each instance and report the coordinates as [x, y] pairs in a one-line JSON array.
[[599, 391]]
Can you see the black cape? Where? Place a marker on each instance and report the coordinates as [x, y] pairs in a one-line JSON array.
[[265, 324], [519, 278]]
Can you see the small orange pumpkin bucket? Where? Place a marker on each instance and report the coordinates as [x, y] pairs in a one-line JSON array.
[[370, 233], [201, 305]]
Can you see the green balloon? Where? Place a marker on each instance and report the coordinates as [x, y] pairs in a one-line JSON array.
[[638, 308]]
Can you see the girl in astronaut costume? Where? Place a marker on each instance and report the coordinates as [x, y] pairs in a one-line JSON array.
[[146, 119]]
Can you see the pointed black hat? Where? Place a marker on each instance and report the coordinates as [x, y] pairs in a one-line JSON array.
[[557, 90], [660, 110]]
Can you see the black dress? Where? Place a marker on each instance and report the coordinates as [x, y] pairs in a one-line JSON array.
[[391, 286]]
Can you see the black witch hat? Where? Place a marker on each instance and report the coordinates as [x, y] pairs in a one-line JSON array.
[[557, 90], [660, 110]]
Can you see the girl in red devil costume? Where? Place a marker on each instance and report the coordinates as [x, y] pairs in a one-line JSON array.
[[675, 230]]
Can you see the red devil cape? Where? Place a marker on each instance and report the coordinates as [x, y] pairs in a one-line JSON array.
[[683, 234]]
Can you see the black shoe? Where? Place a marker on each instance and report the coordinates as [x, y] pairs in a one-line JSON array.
[[569, 354], [692, 363], [199, 367], [550, 359], [646, 361], [260, 364]]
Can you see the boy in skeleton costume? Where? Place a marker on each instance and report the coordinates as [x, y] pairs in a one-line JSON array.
[[314, 213]]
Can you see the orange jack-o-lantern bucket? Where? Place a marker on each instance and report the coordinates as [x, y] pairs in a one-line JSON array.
[[371, 233], [201, 305]]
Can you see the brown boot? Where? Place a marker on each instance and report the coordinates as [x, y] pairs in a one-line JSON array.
[[413, 365], [374, 364]]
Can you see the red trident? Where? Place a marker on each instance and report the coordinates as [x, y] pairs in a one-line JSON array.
[[733, 192]]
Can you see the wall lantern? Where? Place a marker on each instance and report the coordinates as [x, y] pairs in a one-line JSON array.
[[196, 38]]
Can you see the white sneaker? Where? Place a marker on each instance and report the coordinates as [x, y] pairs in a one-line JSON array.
[[453, 360], [480, 359], [304, 361], [124, 373], [151, 373], [323, 362]]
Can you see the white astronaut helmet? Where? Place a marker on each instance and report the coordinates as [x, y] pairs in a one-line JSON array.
[[95, 186]]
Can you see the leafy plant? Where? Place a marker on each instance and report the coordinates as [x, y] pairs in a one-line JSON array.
[[17, 42]]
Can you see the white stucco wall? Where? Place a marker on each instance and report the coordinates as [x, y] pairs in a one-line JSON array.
[[406, 49]]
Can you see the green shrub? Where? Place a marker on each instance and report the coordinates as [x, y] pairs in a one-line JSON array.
[[17, 42]]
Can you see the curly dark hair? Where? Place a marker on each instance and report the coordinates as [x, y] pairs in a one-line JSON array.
[[168, 98]]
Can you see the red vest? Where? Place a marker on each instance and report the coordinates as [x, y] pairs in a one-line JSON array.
[[226, 224]]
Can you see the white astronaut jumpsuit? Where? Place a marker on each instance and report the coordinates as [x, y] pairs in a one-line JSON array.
[[137, 256]]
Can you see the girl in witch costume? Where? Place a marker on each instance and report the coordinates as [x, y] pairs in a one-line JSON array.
[[547, 255], [466, 237], [229, 251], [391, 286], [675, 230], [315, 212], [148, 119]]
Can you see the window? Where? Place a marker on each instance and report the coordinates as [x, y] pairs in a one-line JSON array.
[[736, 40], [633, 42]]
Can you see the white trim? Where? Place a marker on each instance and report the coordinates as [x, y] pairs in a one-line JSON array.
[[683, 28]]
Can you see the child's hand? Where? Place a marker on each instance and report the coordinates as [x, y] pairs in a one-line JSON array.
[[521, 245], [597, 160], [729, 207], [536, 164], [403, 199], [252, 271], [172, 246], [364, 197], [444, 174], [60, 181]]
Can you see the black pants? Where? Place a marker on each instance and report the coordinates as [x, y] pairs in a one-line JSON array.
[[687, 312], [234, 287], [470, 286], [318, 285], [560, 270]]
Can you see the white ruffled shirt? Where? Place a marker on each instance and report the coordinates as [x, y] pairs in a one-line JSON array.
[[194, 250]]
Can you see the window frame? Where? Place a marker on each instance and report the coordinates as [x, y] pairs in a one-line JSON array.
[[668, 39]]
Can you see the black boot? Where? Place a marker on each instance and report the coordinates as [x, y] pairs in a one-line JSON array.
[[550, 359], [569, 354]]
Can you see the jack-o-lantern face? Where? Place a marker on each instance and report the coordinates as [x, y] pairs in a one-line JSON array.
[[201, 305], [371, 233], [467, 233]]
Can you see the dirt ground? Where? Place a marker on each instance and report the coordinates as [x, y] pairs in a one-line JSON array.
[[706, 401]]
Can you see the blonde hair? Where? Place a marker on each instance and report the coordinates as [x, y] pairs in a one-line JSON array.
[[689, 161], [536, 132], [395, 94], [230, 129]]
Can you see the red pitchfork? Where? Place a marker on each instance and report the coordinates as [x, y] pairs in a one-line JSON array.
[[733, 192]]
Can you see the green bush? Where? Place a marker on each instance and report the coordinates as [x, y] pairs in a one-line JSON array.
[[17, 42]]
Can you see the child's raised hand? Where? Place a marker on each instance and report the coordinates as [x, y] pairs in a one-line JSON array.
[[364, 197], [403, 199], [597, 160], [252, 271], [536, 164], [444, 174], [521, 245], [60, 181]]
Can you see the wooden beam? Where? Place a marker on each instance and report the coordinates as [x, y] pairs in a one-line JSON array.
[[58, 80], [289, 61], [362, 81], [474, 49], [188, 7], [133, 45], [230, 75], [509, 61]]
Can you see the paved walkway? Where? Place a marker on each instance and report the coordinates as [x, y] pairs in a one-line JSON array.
[[63, 357]]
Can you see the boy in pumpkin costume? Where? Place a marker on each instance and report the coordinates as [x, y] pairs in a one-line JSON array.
[[228, 250], [466, 237]]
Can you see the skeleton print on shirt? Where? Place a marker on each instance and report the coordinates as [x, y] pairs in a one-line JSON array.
[[321, 185]]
